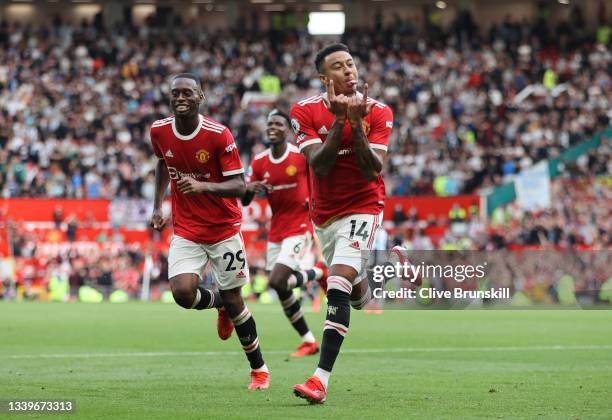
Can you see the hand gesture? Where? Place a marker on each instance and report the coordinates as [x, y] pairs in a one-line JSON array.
[[190, 186], [258, 186], [358, 108], [157, 220], [338, 104]]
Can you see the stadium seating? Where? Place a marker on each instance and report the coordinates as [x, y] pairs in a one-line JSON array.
[[76, 103]]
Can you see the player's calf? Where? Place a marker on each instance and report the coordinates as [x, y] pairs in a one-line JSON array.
[[291, 306], [361, 300], [336, 324], [244, 323]]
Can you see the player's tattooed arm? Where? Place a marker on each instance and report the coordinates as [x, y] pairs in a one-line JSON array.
[[234, 187], [370, 162], [322, 158], [162, 179]]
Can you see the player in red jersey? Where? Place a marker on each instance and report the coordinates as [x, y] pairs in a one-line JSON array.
[[198, 157], [344, 136], [280, 172]]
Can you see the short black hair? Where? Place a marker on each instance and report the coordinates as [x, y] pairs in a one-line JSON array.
[[325, 51], [278, 113], [188, 76]]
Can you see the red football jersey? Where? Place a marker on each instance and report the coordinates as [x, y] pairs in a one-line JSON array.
[[208, 154], [344, 190], [289, 196]]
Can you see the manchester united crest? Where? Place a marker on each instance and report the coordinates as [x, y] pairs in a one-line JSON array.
[[291, 170], [202, 156]]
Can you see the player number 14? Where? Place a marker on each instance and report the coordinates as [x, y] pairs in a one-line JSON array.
[[362, 232]]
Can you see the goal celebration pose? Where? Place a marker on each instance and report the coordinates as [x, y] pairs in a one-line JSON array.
[[344, 135], [198, 157]]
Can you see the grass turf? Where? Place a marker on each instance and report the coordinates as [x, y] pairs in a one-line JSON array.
[[150, 361]]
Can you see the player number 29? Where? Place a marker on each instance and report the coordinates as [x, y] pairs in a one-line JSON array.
[[362, 232], [230, 256]]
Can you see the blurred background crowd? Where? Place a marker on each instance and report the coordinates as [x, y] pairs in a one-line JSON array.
[[472, 108], [76, 102]]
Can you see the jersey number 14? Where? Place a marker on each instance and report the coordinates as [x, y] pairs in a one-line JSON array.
[[362, 232]]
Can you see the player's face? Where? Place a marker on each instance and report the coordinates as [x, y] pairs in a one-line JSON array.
[[276, 129], [340, 67], [185, 97]]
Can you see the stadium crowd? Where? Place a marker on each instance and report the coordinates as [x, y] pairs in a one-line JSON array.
[[470, 111], [76, 102], [578, 223], [579, 216]]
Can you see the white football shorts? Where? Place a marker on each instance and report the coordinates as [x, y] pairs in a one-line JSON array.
[[227, 259]]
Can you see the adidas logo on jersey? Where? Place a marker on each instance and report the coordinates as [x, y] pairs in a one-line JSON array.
[[355, 245], [241, 275], [323, 130], [267, 174], [169, 153]]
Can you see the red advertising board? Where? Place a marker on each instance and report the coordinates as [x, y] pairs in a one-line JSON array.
[[41, 209], [430, 206]]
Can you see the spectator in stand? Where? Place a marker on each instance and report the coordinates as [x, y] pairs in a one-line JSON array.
[[470, 110]]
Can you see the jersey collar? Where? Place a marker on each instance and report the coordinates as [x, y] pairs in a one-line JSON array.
[[359, 95], [188, 136], [280, 159]]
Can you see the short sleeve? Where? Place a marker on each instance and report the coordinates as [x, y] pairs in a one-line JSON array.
[[253, 172], [301, 122], [156, 148], [230, 158], [382, 124]]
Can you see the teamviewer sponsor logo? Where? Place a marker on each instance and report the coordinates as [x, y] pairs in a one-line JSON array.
[[176, 174], [284, 186]]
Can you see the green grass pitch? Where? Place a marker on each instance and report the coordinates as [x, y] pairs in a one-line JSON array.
[[157, 361]]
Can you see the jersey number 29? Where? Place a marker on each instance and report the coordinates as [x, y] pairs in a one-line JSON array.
[[230, 256]]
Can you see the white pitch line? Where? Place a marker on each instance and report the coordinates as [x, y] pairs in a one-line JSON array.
[[557, 347]]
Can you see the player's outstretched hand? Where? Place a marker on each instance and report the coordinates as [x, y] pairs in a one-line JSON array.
[[157, 220], [258, 186], [338, 104], [358, 107], [190, 186]]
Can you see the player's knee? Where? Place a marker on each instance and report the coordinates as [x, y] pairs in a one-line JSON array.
[[183, 294], [362, 302], [232, 301], [277, 282]]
